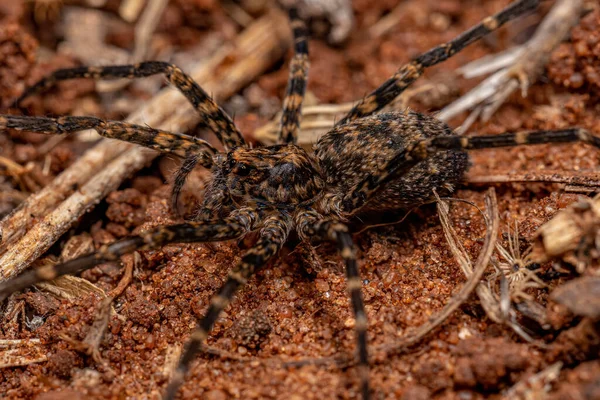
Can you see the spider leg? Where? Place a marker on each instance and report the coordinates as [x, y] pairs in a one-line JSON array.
[[188, 166], [272, 237], [408, 73], [163, 141], [411, 155], [292, 104], [311, 225], [212, 115], [237, 224]]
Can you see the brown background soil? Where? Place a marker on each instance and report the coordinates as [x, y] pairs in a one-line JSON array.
[[289, 311]]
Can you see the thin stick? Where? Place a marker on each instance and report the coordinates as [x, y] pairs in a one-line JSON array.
[[103, 168], [578, 178], [488, 96]]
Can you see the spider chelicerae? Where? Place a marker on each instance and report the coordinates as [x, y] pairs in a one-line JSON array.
[[368, 162]]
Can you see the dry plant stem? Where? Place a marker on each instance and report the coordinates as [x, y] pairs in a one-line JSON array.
[[494, 309], [488, 96], [577, 178], [473, 278], [103, 168]]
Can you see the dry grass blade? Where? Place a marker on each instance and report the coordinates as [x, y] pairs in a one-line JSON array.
[[70, 287], [474, 274], [101, 170], [494, 308], [488, 96]]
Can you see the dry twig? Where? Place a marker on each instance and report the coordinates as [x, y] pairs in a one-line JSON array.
[[575, 178], [494, 308], [88, 44], [488, 96], [49, 213]]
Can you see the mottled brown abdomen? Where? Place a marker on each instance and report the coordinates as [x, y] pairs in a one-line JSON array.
[[350, 153]]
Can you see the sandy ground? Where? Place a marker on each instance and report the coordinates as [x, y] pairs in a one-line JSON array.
[[293, 310]]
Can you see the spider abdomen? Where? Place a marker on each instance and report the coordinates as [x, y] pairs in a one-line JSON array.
[[350, 153]]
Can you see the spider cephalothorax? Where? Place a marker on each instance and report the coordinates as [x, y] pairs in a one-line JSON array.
[[281, 176], [368, 162]]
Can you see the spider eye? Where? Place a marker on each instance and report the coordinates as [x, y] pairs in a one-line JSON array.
[[242, 169]]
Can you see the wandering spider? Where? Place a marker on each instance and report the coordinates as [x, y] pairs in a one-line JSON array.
[[367, 162]]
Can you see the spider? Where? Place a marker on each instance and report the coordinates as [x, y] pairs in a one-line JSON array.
[[367, 162]]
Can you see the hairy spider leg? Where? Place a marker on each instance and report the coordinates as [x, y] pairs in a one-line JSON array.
[[422, 149], [163, 141], [296, 87], [311, 225], [232, 227], [187, 166], [272, 238], [211, 114], [408, 73]]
